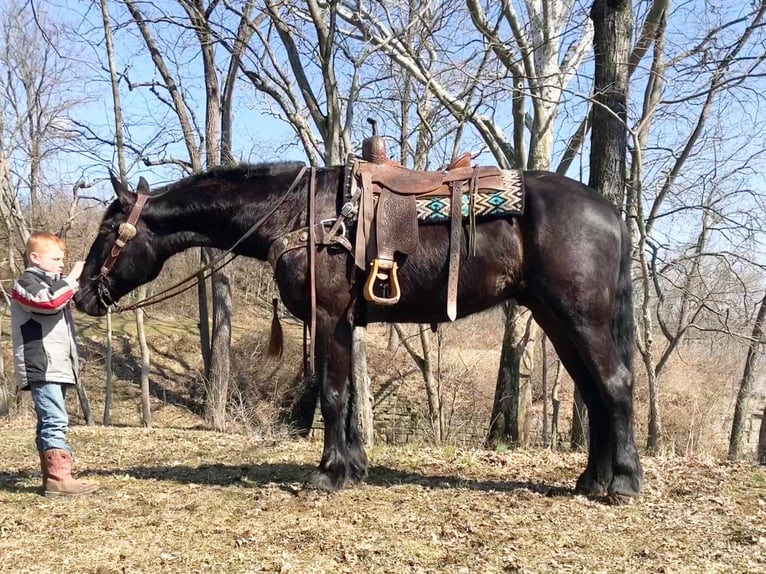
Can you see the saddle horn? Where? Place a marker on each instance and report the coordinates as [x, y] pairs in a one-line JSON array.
[[374, 147]]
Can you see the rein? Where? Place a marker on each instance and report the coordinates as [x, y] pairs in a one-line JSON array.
[[127, 232]]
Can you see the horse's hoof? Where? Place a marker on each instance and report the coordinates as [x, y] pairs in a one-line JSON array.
[[322, 481], [354, 480], [357, 475], [588, 486], [625, 485]]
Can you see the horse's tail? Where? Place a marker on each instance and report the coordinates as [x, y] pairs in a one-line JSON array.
[[623, 322], [276, 338]]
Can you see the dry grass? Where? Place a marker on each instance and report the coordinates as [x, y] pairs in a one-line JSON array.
[[179, 500]]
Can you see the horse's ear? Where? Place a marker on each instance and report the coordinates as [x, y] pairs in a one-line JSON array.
[[143, 187], [127, 198]]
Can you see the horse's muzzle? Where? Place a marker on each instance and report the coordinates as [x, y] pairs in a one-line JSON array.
[[89, 303]]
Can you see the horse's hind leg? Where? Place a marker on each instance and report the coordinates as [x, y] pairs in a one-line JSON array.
[[605, 383], [343, 457], [598, 473], [613, 408]]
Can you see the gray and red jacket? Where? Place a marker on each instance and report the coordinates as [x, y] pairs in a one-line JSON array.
[[44, 345]]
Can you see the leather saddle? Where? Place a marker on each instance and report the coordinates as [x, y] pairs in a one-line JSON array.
[[388, 216]]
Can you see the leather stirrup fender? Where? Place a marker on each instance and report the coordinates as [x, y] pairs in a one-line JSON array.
[[386, 271]]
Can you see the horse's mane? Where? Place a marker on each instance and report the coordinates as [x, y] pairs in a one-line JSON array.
[[219, 175], [236, 173]]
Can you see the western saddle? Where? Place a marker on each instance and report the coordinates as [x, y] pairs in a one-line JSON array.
[[385, 195]]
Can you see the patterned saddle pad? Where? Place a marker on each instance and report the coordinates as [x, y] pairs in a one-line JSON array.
[[487, 204]]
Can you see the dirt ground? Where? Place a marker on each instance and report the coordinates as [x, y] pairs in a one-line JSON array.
[[185, 500]]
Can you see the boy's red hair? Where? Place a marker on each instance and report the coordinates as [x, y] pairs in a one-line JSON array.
[[42, 240]]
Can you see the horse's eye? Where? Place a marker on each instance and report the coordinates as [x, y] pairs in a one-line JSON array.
[[108, 228]]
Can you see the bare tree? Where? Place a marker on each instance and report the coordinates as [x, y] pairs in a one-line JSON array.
[[509, 421], [527, 54], [146, 412], [422, 126], [754, 355], [429, 370], [35, 90], [320, 114], [10, 210], [612, 23], [37, 96], [675, 288], [198, 18], [218, 369]]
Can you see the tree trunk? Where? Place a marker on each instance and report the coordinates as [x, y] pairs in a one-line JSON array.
[[509, 416], [504, 410], [120, 141], [654, 430], [146, 409], [5, 399], [612, 27], [215, 124], [10, 210], [555, 407], [645, 339], [361, 383], [579, 422], [433, 386], [82, 397], [525, 381], [218, 382], [754, 354], [393, 339], [109, 384], [762, 439], [203, 322]]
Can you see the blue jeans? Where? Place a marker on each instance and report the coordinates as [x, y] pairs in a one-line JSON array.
[[52, 418]]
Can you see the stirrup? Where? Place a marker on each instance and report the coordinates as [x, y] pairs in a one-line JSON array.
[[385, 270]]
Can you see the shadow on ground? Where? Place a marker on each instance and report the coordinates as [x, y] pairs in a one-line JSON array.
[[287, 475], [16, 482]]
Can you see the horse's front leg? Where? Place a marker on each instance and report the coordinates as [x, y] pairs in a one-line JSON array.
[[343, 457]]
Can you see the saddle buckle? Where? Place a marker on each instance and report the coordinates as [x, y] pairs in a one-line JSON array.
[[382, 270]]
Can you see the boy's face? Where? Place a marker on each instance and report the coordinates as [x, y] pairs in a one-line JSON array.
[[50, 259]]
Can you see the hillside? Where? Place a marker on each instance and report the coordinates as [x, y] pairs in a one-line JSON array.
[[179, 500]]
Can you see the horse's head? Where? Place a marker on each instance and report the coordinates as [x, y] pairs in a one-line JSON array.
[[123, 255]]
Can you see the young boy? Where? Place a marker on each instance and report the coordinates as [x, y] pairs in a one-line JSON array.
[[45, 355]]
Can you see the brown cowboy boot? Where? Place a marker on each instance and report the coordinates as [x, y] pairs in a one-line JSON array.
[[43, 467], [57, 475]]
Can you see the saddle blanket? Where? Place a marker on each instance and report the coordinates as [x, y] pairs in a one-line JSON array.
[[509, 200]]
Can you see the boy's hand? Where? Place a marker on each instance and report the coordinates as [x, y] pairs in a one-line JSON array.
[[76, 270]]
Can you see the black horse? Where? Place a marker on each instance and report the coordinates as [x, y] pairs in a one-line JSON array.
[[567, 259]]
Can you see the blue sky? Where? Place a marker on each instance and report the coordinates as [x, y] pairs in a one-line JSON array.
[[261, 137], [258, 136]]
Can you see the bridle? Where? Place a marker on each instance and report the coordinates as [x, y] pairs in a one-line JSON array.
[[127, 231]]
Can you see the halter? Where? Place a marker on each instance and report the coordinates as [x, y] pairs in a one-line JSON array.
[[127, 231]]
